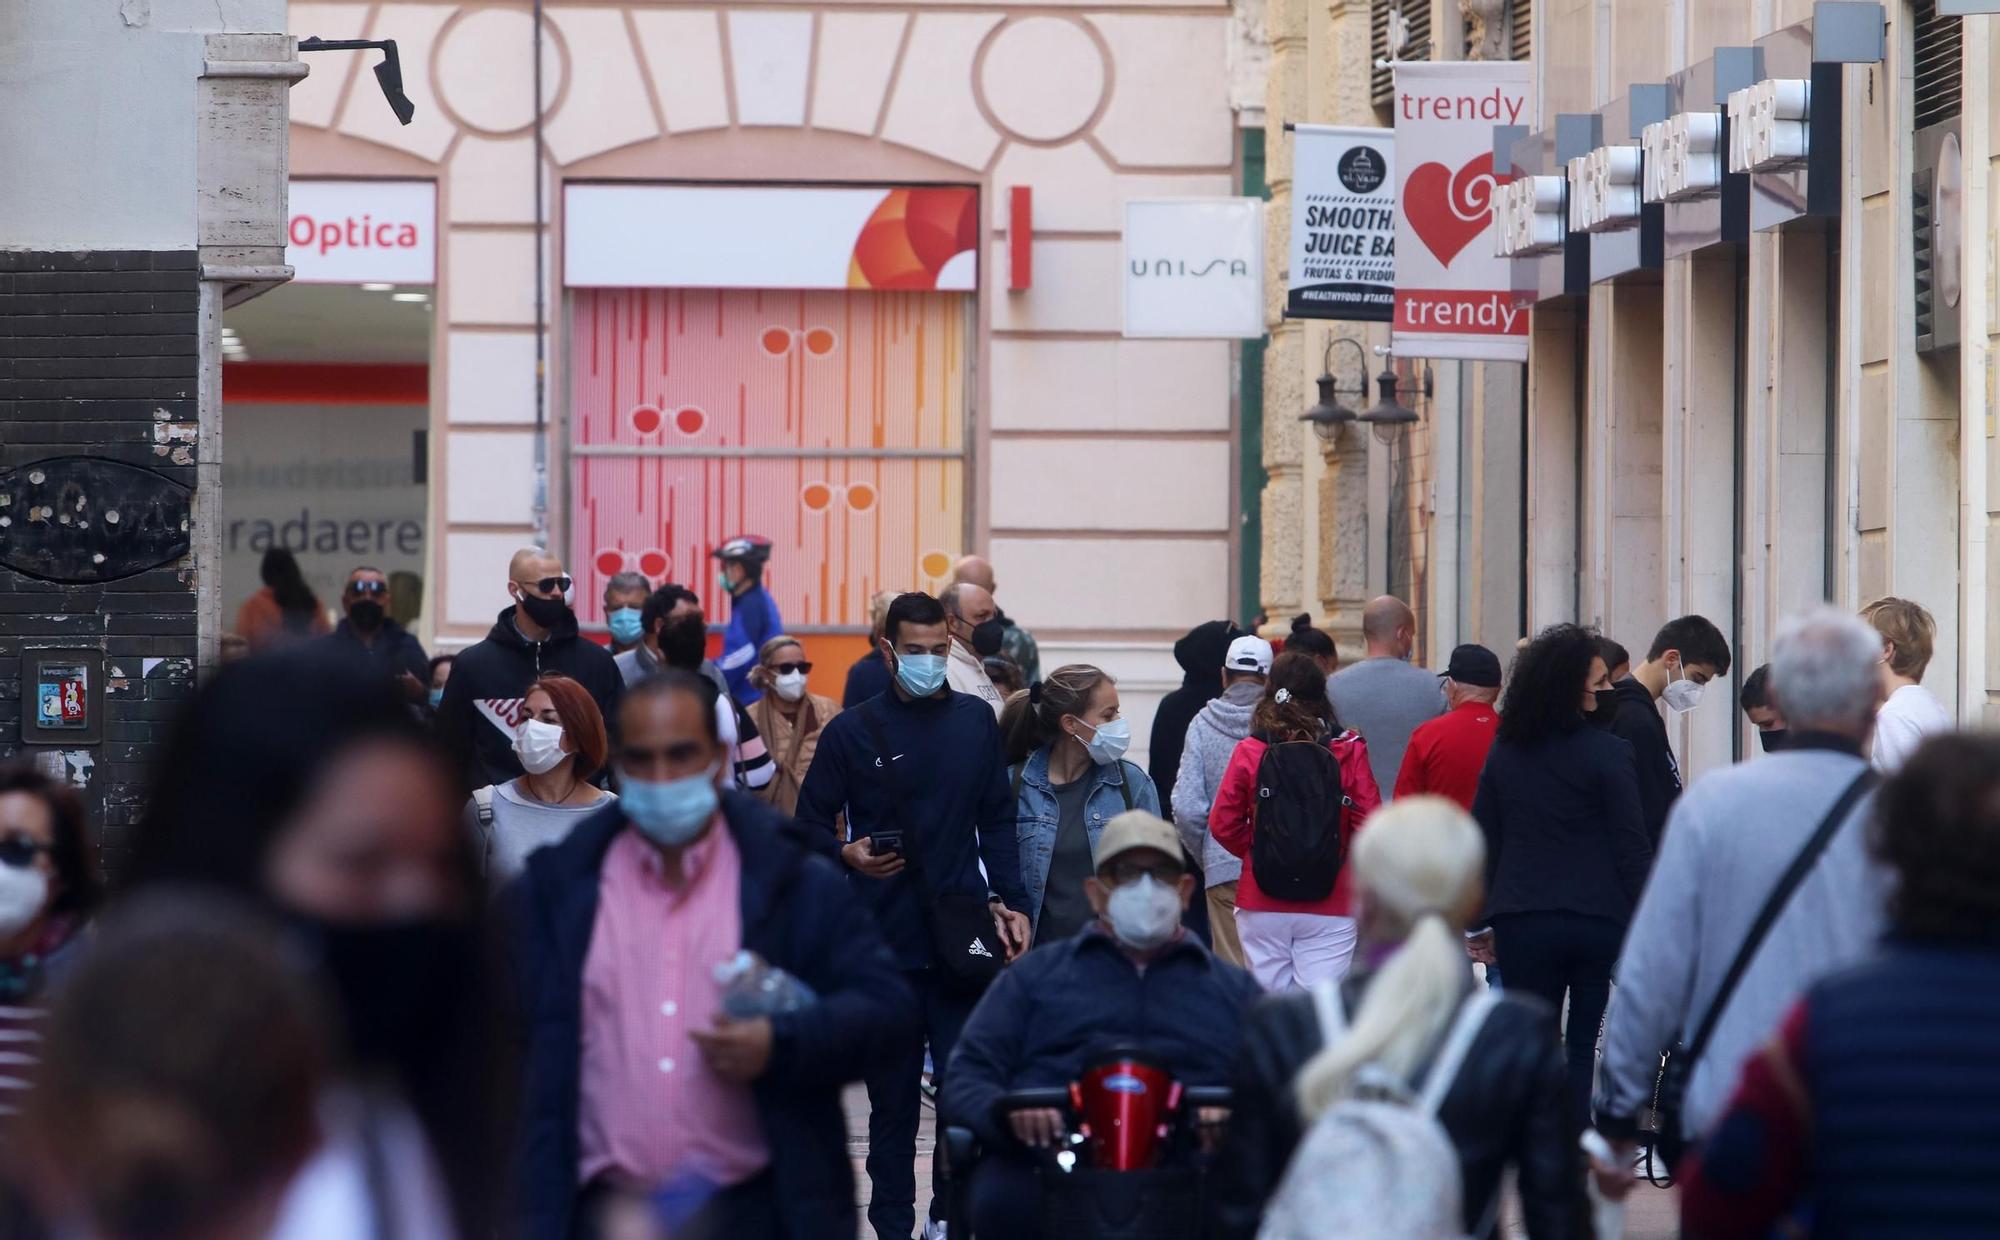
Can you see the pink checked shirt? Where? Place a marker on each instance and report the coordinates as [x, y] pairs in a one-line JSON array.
[[650, 1108]]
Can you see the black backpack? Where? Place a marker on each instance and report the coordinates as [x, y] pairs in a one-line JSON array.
[[1295, 849]]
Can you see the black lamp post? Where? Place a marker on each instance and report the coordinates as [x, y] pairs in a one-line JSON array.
[[1329, 414], [1388, 416]]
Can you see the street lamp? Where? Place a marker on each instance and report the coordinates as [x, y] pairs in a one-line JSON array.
[[388, 72], [1388, 417], [1329, 414]]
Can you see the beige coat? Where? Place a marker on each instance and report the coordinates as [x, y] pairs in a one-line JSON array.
[[965, 672], [791, 745]]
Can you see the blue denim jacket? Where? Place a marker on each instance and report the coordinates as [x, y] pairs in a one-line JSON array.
[[1037, 814]]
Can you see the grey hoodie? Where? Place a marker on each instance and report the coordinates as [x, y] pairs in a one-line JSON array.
[[1211, 738]]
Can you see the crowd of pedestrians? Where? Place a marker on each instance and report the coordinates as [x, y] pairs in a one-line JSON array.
[[564, 940]]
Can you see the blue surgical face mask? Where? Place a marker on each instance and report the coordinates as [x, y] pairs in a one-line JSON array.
[[1109, 742], [437, 698], [625, 627], [670, 812], [920, 674]]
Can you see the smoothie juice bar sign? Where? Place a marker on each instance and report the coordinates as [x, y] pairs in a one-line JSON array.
[[355, 232], [1343, 224]]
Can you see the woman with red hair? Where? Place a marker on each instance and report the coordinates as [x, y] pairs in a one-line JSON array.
[[561, 743]]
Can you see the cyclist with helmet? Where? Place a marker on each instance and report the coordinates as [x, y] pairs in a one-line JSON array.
[[753, 617]]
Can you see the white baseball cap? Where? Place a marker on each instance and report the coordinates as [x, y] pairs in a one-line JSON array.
[[1249, 653]]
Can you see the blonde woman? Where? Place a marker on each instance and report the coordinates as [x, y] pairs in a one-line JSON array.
[[1417, 870], [788, 717]]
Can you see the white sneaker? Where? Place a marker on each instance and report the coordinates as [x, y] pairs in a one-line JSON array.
[[933, 1229]]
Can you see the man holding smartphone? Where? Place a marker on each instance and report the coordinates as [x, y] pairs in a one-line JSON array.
[[933, 788]]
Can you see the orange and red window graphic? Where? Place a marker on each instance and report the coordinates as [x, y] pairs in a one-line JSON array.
[[832, 423], [913, 236]]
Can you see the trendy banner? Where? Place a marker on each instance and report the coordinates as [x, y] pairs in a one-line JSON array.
[[1343, 224], [1452, 298]]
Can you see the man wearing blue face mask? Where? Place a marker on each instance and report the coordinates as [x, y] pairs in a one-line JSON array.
[[634, 1080], [919, 773], [624, 599], [1134, 977]]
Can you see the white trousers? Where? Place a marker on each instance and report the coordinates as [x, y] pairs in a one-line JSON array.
[[1295, 951]]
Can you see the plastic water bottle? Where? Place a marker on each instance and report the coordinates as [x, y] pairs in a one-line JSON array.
[[1607, 1216], [753, 987]]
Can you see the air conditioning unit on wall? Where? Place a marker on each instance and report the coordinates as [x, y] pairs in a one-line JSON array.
[[1937, 182], [1937, 221]]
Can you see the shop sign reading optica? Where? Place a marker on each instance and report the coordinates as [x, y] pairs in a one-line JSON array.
[[911, 238], [1453, 296], [355, 232]]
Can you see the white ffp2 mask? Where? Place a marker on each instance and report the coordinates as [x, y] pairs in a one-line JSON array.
[[1144, 914]]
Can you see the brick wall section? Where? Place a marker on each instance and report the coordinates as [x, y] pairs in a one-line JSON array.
[[99, 354]]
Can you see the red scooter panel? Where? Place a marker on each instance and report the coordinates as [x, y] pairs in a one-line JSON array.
[[1125, 1104]]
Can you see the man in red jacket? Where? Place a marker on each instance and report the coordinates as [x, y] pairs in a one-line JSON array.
[[1445, 756]]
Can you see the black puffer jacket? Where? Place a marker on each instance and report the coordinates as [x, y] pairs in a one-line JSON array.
[[483, 700], [1506, 1107]]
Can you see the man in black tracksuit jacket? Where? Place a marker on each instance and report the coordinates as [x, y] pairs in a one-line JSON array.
[[482, 706], [955, 808]]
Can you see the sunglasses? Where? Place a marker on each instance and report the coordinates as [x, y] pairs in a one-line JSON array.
[[19, 851], [549, 585], [786, 669], [1123, 873], [365, 588]]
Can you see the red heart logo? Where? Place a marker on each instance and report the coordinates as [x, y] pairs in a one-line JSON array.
[[1447, 210]]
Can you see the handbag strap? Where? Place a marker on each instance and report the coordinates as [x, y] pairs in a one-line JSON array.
[[1472, 1014], [1774, 905]]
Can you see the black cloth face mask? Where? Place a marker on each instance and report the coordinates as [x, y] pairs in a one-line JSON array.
[[988, 636], [366, 615], [547, 612]]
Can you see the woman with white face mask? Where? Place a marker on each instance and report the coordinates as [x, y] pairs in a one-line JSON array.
[[788, 717], [561, 743], [49, 887], [1066, 741]]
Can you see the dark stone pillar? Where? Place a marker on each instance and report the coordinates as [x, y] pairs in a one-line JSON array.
[[99, 359]]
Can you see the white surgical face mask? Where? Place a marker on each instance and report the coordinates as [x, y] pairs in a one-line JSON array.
[[1683, 695], [24, 890], [791, 686], [1144, 914], [539, 746]]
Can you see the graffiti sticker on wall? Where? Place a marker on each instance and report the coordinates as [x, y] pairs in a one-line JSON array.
[[62, 692], [82, 520]]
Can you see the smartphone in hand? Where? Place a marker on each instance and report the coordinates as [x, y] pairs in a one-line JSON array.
[[883, 843]]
